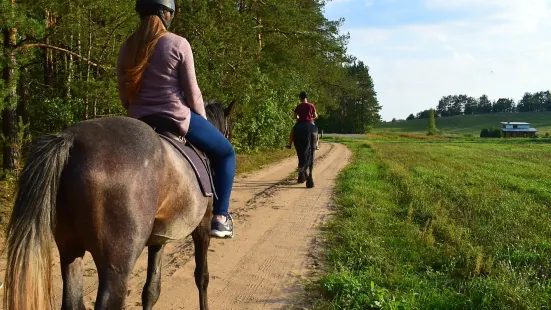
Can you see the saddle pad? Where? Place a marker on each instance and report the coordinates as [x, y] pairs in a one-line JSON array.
[[197, 163]]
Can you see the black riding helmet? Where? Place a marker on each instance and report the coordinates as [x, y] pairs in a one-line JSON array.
[[156, 7]]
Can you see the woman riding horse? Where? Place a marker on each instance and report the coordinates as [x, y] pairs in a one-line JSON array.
[[304, 135], [305, 112], [156, 75], [111, 186]]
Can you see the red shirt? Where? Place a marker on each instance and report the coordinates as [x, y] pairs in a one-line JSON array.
[[306, 112]]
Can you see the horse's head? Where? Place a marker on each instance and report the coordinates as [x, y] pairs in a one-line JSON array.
[[220, 117]]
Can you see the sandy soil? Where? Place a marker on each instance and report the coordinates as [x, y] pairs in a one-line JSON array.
[[276, 221]]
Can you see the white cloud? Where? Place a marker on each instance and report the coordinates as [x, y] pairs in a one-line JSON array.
[[502, 51]]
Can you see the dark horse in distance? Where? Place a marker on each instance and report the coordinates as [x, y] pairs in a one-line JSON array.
[[305, 136], [111, 187]]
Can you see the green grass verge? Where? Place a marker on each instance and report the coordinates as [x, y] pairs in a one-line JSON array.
[[440, 226], [471, 125]]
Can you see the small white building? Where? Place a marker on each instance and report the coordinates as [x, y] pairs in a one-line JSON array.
[[518, 130]]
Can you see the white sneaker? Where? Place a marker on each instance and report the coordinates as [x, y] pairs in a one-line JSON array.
[[222, 230]]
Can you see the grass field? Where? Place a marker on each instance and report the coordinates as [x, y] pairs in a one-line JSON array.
[[441, 225], [471, 124]]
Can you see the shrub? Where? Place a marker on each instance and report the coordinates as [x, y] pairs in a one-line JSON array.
[[491, 133], [484, 133]]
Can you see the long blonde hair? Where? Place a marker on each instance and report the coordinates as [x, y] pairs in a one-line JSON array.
[[139, 48]]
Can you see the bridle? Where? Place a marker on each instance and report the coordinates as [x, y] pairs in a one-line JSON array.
[[226, 119], [226, 131], [227, 127]]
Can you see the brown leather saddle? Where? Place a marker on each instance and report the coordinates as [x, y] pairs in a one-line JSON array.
[[169, 132]]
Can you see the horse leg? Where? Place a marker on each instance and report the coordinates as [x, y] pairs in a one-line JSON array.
[[310, 163], [114, 271], [201, 240], [300, 155], [310, 179], [152, 288], [71, 272], [301, 176], [302, 168]]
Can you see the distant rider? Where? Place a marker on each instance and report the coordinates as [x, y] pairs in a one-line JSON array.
[[304, 112]]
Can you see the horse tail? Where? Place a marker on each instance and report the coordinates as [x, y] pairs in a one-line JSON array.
[[309, 152], [311, 145], [304, 144], [28, 278]]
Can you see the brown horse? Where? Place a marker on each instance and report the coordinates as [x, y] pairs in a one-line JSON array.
[[111, 187]]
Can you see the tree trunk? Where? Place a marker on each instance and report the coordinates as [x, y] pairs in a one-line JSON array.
[[9, 114], [23, 105], [70, 65], [177, 9], [71, 69], [241, 6], [259, 36], [87, 99], [79, 42], [95, 107], [48, 54]]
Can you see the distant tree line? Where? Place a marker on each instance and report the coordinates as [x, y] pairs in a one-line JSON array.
[[466, 105], [358, 110]]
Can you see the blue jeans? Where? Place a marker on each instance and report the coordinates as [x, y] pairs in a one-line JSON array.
[[206, 137]]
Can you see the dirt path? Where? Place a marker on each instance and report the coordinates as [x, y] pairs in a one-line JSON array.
[[276, 220]]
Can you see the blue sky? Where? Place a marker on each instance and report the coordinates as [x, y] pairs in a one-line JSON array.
[[421, 50]]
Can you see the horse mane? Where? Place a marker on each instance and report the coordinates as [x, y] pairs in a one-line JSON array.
[[216, 115]]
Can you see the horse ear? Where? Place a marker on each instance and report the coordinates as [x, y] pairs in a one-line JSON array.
[[229, 110]]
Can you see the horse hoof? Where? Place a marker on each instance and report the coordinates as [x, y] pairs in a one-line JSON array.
[[310, 184], [301, 178]]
